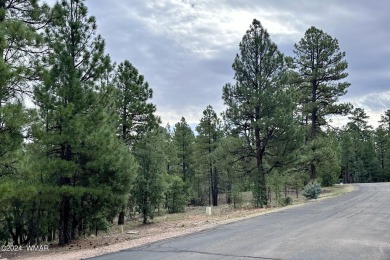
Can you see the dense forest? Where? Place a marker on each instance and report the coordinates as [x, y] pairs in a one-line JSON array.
[[91, 149]]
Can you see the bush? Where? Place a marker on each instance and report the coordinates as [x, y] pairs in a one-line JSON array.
[[286, 201], [312, 190], [328, 180], [176, 195], [238, 200]]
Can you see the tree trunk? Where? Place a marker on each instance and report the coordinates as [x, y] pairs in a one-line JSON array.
[[263, 187], [262, 200], [81, 229], [75, 225], [313, 174], [49, 235], [31, 234], [145, 216], [313, 130], [38, 225], [269, 196], [229, 193], [210, 183], [14, 236], [215, 187], [184, 166], [63, 231], [121, 217]]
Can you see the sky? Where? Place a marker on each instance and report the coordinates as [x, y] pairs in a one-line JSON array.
[[185, 48]]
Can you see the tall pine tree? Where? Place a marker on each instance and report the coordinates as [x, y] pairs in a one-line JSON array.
[[149, 184], [321, 67], [209, 130], [85, 160], [359, 158], [382, 141], [136, 115], [258, 105], [183, 138], [20, 46]]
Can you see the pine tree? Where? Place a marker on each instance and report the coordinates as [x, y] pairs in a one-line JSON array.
[[183, 138], [20, 46], [322, 67], [233, 168], [382, 140], [175, 194], [170, 151], [385, 120], [149, 186], [259, 105], [78, 136], [136, 116], [209, 130], [328, 157], [359, 158], [382, 146]]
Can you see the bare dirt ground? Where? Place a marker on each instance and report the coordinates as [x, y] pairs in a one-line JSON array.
[[163, 227]]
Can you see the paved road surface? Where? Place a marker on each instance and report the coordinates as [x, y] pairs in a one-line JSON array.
[[353, 226]]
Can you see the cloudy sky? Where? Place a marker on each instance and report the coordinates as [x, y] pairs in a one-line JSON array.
[[185, 48]]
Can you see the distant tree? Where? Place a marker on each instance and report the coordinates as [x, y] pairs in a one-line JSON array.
[[209, 132], [321, 67], [234, 170], [328, 159], [149, 186], [183, 138], [382, 146], [385, 120], [359, 163], [176, 194], [136, 115], [170, 151], [259, 106]]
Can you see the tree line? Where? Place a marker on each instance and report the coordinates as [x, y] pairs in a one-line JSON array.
[[92, 150]]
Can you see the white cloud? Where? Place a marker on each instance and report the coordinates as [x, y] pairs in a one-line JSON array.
[[185, 48], [205, 27], [191, 113], [374, 104]]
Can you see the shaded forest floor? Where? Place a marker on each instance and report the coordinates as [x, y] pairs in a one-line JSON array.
[[166, 226]]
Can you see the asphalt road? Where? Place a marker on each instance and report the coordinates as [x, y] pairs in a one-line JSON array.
[[353, 226]]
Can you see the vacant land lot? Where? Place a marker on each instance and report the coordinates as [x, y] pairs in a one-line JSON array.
[[166, 226]]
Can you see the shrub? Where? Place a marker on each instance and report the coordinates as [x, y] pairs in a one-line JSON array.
[[286, 201], [238, 199], [312, 190], [176, 195]]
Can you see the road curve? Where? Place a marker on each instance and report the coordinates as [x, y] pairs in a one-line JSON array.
[[353, 226]]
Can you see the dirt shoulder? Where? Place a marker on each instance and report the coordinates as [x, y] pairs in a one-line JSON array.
[[163, 227]]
